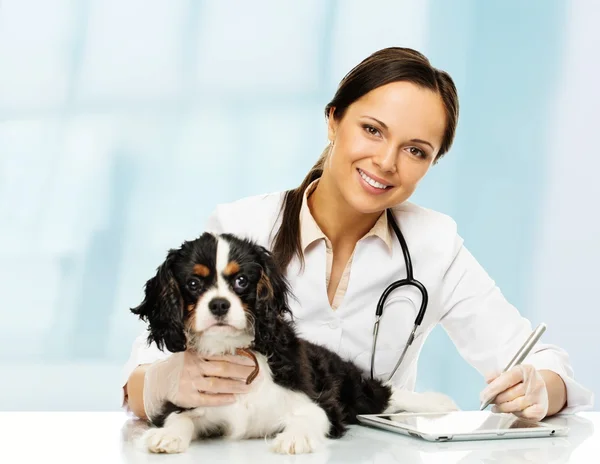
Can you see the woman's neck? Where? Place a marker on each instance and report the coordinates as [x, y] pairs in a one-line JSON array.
[[337, 219]]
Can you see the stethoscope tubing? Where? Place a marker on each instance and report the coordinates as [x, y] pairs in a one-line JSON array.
[[409, 281]]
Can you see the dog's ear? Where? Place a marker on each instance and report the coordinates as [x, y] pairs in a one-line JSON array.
[[163, 308], [273, 288]]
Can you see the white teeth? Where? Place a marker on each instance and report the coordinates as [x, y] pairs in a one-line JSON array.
[[371, 182]]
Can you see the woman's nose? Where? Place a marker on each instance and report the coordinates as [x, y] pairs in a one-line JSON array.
[[386, 160]]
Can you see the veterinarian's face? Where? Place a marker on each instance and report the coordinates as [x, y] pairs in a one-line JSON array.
[[384, 144]]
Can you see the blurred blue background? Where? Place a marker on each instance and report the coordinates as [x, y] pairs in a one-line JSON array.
[[122, 125]]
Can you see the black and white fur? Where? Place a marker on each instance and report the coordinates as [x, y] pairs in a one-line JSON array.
[[304, 392]]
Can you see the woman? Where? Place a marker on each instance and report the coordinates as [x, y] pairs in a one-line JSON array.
[[392, 117]]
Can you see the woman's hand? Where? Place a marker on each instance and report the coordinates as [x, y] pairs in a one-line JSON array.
[[189, 380], [521, 391]]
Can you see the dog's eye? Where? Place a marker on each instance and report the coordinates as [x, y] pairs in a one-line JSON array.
[[241, 282], [194, 284]]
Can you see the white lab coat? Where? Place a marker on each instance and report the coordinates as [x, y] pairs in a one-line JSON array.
[[486, 329]]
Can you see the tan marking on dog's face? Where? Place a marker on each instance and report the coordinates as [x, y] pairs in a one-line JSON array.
[[201, 270], [231, 268]]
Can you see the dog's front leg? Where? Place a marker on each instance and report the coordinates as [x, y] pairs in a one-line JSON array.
[[409, 401], [305, 427], [174, 437]]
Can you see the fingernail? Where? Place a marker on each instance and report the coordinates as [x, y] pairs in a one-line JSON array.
[[484, 395]]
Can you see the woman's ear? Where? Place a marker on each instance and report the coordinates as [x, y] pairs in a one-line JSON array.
[[332, 124], [163, 308]]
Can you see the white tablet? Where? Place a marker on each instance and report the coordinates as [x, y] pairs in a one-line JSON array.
[[461, 425]]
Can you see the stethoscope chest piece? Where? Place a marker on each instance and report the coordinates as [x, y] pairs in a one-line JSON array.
[[409, 281]]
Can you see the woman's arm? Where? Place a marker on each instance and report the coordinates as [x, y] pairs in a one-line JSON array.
[[134, 391], [557, 391], [487, 331]]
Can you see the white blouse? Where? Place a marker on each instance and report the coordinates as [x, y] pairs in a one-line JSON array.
[[485, 328]]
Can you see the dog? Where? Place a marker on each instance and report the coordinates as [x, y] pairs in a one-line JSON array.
[[221, 293]]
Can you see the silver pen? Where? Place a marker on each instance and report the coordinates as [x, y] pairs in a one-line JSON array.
[[521, 355]]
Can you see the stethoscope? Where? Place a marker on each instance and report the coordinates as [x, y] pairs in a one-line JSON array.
[[409, 281]]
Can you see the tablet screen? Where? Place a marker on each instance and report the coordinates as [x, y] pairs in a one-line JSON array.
[[459, 422]]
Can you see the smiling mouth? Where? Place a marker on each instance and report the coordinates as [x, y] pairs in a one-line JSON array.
[[372, 182]]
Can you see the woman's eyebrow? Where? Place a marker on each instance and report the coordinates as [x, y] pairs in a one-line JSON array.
[[382, 124], [425, 142]]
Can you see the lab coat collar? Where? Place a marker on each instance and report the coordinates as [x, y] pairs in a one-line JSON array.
[[311, 232]]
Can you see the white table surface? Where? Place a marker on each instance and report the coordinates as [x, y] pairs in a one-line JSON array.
[[110, 438]]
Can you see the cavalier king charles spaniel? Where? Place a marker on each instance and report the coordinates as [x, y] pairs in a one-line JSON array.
[[220, 294]]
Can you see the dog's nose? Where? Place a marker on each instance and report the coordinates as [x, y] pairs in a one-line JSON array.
[[219, 306]]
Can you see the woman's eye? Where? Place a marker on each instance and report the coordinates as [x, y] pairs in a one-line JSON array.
[[371, 130], [417, 152], [241, 282], [194, 284]]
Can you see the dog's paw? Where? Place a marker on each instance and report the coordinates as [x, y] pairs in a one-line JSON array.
[[289, 442], [161, 440], [434, 402], [402, 400]]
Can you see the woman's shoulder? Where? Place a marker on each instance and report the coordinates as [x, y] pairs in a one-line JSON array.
[[251, 217], [426, 225], [411, 212], [262, 203]]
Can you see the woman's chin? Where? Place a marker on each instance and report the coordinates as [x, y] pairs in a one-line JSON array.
[[364, 204]]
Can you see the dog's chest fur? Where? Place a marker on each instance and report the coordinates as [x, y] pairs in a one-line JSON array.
[[260, 412]]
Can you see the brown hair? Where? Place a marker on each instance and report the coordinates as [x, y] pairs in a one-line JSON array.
[[381, 68]]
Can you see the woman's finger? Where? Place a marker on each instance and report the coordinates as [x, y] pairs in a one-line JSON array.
[[501, 383], [200, 399], [512, 393], [232, 359], [219, 385], [518, 404], [535, 412], [226, 370], [489, 377]]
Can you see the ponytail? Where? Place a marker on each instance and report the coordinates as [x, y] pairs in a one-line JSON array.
[[287, 242]]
